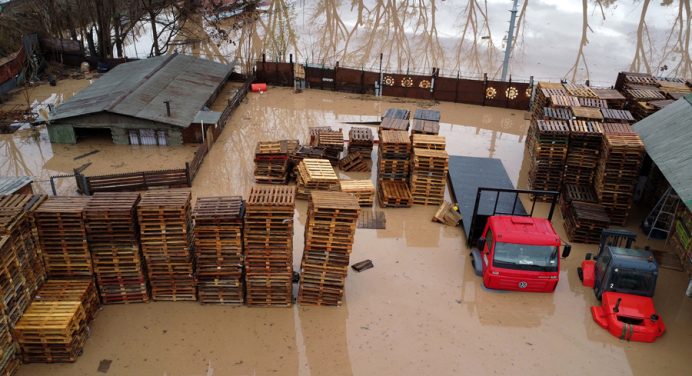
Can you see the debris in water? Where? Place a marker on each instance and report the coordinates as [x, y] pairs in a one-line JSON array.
[[362, 265], [447, 214], [104, 365], [87, 154]]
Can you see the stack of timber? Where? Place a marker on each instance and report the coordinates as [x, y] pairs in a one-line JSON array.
[[111, 222], [585, 139], [618, 170], [52, 331], [363, 190], [393, 167], [13, 286], [77, 290], [62, 231], [165, 222], [427, 115], [329, 232], [425, 141], [9, 362], [394, 194], [617, 116], [429, 176], [219, 249], [612, 97], [547, 142], [272, 164], [394, 153], [394, 124], [397, 113], [584, 217], [316, 175], [360, 140], [355, 161], [425, 127], [332, 141], [268, 241]]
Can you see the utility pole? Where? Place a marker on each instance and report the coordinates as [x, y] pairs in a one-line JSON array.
[[510, 37]]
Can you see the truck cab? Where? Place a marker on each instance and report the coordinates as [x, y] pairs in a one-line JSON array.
[[519, 253]]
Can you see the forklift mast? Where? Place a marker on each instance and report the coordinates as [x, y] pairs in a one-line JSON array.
[[616, 238]]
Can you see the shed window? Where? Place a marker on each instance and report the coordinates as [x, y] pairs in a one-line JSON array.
[[148, 137]]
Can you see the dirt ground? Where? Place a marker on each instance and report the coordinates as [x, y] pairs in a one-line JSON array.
[[419, 311]]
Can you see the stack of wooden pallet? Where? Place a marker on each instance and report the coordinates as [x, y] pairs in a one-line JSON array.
[[61, 228], [584, 217], [301, 153], [557, 113], [429, 176], [268, 241], [425, 127], [9, 362], [427, 115], [13, 287], [547, 144], [544, 92], [165, 222], [425, 141], [617, 116], [360, 140], [584, 148], [219, 249], [618, 170], [111, 222], [394, 124], [394, 153], [587, 113], [612, 97], [329, 231], [579, 90], [397, 113], [316, 175], [332, 141], [272, 164], [52, 332], [592, 102], [355, 161], [363, 190], [77, 290]]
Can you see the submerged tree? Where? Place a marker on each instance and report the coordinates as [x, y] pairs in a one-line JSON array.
[[469, 55]]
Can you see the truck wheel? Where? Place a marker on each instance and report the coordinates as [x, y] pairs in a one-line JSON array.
[[476, 262], [580, 273]]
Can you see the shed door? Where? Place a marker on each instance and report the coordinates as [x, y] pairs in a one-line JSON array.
[[162, 138], [134, 137]]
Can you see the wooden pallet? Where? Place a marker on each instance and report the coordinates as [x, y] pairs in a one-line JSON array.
[[557, 113], [563, 101], [332, 142], [447, 214], [165, 220], [428, 176], [329, 233], [66, 290], [360, 139], [619, 116], [427, 115], [584, 222], [394, 124], [425, 127], [612, 97], [363, 190], [422, 141], [592, 102], [355, 161], [397, 113], [315, 175], [547, 145], [219, 255], [14, 289], [578, 90], [268, 245], [394, 194], [587, 113]]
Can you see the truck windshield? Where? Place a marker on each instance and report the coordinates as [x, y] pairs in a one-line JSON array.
[[632, 282], [525, 257]]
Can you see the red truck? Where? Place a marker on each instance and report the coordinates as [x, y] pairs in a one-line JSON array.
[[515, 251]]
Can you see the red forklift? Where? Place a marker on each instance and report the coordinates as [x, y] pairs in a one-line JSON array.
[[624, 280], [513, 249]]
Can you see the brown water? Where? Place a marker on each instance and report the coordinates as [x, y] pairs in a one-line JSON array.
[[576, 40], [419, 311]]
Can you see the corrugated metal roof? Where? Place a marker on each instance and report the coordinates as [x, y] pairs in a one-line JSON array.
[[207, 117], [139, 89], [667, 135], [11, 184]]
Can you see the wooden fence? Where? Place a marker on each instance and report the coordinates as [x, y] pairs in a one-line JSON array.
[[514, 95], [172, 178]]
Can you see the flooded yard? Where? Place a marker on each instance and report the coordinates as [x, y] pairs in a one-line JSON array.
[[419, 311]]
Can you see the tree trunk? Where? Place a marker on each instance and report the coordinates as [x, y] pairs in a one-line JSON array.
[[154, 33], [90, 41]]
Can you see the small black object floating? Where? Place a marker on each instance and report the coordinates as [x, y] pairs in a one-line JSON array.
[[362, 265]]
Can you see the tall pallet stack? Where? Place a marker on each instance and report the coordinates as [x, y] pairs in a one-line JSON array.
[[394, 154], [429, 176], [165, 222], [13, 286], [272, 163], [316, 175], [641, 91], [61, 228], [361, 140], [585, 139], [547, 144], [544, 92], [111, 222], [9, 362], [618, 170], [219, 249], [329, 231], [585, 218], [268, 242]]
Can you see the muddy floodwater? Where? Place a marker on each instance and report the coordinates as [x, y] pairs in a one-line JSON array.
[[419, 311]]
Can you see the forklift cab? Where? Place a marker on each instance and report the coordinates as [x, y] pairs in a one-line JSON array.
[[625, 270]]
